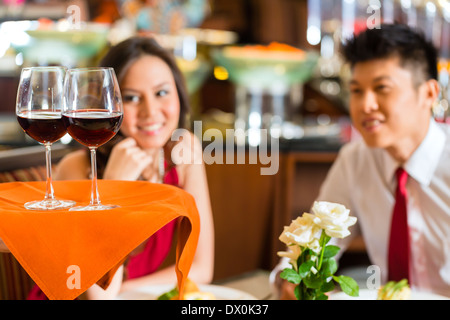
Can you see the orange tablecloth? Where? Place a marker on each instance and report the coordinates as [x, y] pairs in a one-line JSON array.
[[52, 245]]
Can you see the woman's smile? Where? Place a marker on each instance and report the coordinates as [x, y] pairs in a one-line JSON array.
[[152, 107], [151, 129]]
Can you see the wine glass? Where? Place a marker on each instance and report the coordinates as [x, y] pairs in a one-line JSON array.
[[38, 110], [92, 114]]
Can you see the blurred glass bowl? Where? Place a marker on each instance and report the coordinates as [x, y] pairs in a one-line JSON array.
[[195, 72], [72, 47], [211, 37], [253, 68]]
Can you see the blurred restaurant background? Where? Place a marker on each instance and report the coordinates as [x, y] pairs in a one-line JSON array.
[[267, 66]]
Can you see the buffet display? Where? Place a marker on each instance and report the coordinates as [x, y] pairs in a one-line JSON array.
[[269, 80], [275, 64], [58, 43]]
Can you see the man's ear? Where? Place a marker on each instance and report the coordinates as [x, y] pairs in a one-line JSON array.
[[432, 90]]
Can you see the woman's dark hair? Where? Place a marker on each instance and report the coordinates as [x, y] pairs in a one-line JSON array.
[[120, 57], [410, 45]]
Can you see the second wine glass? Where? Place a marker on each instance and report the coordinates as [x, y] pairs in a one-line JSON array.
[[92, 114]]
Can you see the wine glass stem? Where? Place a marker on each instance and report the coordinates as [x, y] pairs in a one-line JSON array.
[[94, 190], [49, 194]]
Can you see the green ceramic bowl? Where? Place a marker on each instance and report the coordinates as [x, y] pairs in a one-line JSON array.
[[265, 72]]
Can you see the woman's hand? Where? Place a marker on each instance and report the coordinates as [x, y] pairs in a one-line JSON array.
[[127, 161], [287, 291]]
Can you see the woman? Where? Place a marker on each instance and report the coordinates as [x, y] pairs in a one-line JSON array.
[[155, 104]]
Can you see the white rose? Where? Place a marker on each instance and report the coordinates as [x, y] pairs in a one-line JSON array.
[[333, 218], [293, 253], [303, 232]]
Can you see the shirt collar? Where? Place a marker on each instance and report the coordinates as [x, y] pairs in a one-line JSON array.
[[423, 162]]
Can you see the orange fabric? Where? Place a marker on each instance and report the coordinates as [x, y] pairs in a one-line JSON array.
[[49, 243]]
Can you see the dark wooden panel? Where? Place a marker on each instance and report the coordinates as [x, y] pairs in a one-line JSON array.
[[242, 201]]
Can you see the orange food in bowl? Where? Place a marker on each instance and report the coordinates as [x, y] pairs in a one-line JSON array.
[[274, 46], [274, 50]]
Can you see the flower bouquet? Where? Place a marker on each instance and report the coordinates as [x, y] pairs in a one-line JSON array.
[[311, 257]]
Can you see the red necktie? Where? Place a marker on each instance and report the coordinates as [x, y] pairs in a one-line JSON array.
[[399, 239]]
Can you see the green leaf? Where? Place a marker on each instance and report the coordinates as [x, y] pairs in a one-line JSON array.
[[298, 293], [300, 260], [322, 296], [329, 267], [291, 276], [305, 256], [305, 268], [330, 251], [168, 295], [327, 286], [313, 281], [310, 295], [348, 285]]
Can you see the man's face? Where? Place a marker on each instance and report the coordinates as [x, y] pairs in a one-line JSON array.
[[385, 106]]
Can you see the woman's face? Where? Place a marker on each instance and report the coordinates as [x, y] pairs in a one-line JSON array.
[[150, 101]]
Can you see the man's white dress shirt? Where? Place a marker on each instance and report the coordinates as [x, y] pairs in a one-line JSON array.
[[363, 179]]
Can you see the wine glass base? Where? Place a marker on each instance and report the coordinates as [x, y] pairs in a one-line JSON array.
[[51, 204], [94, 207]]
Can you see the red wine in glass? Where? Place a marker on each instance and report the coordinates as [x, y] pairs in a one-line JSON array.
[[38, 109], [42, 126], [92, 128], [92, 114]]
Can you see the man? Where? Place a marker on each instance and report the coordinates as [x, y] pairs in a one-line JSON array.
[[392, 90]]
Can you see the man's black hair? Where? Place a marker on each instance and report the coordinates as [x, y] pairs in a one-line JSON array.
[[410, 45]]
